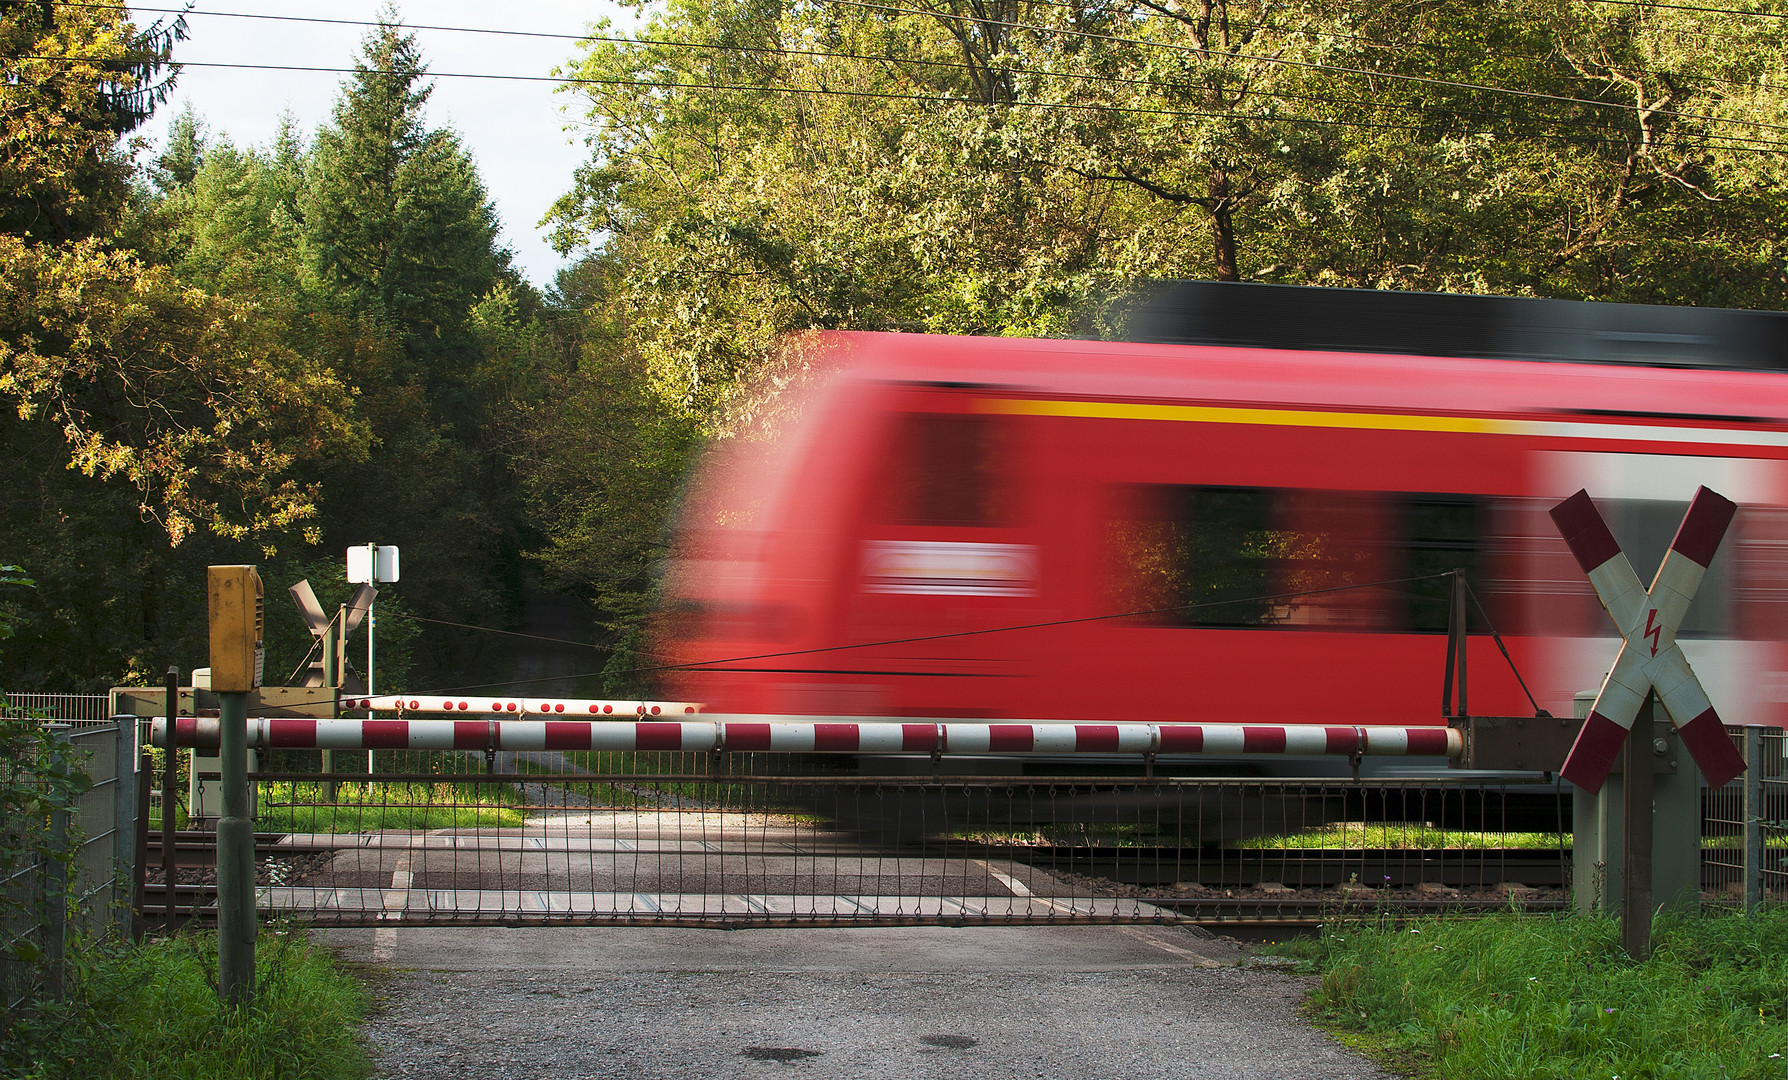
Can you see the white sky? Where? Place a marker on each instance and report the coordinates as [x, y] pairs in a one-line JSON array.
[[514, 130]]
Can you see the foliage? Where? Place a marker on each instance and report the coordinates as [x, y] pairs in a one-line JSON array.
[[758, 169], [189, 397], [75, 78], [151, 1013], [1524, 996], [258, 354], [40, 779], [9, 619], [300, 807]]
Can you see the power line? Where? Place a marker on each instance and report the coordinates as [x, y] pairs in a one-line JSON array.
[[779, 51], [1749, 143], [1426, 80], [1021, 70], [706, 665], [1692, 7], [662, 84]]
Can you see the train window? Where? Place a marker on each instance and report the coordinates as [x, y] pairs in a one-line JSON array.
[[952, 470], [1243, 557], [1439, 533]]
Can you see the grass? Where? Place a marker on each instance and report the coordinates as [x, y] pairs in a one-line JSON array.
[[299, 807], [1402, 835], [1346, 835], [151, 1013], [1526, 997]]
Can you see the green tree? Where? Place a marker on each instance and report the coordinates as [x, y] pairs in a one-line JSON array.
[[150, 426]]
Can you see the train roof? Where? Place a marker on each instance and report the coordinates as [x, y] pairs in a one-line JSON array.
[[1458, 325], [1140, 371]]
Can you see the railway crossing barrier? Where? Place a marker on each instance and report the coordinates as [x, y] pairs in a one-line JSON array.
[[785, 836]]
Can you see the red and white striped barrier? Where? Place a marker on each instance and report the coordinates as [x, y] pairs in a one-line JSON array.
[[1649, 655], [881, 737], [408, 704]]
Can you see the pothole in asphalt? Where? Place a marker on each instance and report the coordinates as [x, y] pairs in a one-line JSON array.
[[950, 1042], [784, 1054]]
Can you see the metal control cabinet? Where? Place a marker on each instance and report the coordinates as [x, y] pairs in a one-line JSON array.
[[236, 599]]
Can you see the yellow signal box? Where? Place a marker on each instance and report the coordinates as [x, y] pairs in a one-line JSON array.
[[237, 655]]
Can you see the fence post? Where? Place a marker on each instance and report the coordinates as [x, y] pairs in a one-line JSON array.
[[55, 889], [170, 800], [1753, 818], [124, 832], [140, 863]]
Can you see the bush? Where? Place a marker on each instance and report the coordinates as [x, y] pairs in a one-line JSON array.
[[151, 1013], [39, 783]]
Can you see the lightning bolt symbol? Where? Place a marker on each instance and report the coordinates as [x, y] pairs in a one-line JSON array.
[[1653, 629]]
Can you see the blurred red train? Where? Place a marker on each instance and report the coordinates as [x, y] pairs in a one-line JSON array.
[[1251, 528]]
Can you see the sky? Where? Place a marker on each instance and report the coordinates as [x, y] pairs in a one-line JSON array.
[[514, 130]]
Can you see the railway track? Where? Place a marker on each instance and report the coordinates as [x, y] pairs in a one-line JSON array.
[[1303, 886]]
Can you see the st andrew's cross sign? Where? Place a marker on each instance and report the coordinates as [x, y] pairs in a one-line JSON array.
[[1649, 656]]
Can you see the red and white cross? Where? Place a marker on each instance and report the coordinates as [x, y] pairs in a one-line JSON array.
[[1649, 656]]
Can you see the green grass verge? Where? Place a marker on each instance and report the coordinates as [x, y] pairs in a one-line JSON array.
[[300, 807], [1340, 835], [1526, 997], [1359, 834], [151, 1013]]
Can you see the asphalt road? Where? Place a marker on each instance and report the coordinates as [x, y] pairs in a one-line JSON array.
[[614, 1002]]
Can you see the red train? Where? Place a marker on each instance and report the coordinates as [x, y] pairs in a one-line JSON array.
[[1252, 529]]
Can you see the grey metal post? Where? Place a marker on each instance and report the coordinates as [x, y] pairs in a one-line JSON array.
[[55, 889], [1753, 814], [372, 622], [235, 859], [124, 823], [1635, 885], [145, 766], [332, 681], [170, 801]]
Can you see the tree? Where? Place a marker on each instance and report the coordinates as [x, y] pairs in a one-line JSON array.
[[396, 219], [76, 77], [149, 424]]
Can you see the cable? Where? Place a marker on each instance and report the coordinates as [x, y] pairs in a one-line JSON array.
[[1425, 80], [1754, 144], [823, 54], [704, 665], [709, 664], [1504, 649], [550, 35], [1692, 7]]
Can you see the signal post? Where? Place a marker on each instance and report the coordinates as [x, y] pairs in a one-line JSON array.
[[235, 601]]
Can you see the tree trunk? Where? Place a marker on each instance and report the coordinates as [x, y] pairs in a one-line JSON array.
[[1222, 227]]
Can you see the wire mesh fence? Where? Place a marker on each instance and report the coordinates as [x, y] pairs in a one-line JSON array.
[[70, 867], [1744, 832], [779, 839]]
